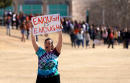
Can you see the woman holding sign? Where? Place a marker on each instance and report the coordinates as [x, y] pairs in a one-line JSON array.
[[47, 60]]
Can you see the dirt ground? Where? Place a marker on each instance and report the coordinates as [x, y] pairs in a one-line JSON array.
[[18, 61]]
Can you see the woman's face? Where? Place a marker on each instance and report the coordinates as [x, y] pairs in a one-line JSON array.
[[48, 45]]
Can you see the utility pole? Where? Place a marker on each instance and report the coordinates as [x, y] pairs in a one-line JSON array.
[[44, 3], [70, 7], [103, 12], [103, 16]]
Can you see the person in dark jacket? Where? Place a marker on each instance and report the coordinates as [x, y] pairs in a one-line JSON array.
[[73, 39], [126, 39]]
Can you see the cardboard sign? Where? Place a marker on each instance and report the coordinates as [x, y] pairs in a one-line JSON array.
[[46, 24]]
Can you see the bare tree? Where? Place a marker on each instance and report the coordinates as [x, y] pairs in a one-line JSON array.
[[116, 12]]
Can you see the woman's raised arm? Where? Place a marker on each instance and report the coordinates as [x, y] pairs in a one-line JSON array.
[[59, 44], [34, 43]]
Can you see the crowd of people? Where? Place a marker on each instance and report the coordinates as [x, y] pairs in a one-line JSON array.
[[81, 33], [20, 21]]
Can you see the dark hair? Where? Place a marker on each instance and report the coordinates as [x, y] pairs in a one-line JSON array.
[[51, 42], [47, 39]]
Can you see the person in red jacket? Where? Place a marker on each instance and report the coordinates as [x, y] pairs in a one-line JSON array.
[[111, 39]]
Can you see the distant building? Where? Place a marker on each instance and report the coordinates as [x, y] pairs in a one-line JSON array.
[[76, 9], [42, 6]]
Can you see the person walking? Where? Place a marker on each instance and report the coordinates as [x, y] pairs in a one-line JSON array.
[[111, 39], [8, 24], [80, 39], [23, 28], [73, 39], [87, 38], [126, 39], [27, 29]]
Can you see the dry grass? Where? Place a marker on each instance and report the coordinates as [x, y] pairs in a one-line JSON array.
[[18, 62]]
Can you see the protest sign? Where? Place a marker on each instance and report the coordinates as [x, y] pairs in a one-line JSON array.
[[46, 24]]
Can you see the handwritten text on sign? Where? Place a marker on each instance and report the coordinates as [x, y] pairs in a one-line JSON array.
[[46, 24]]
